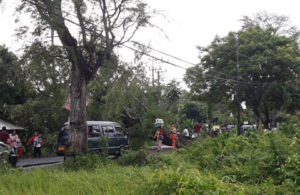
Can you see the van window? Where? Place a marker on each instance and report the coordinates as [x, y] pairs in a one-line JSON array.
[[94, 131], [120, 131], [108, 130]]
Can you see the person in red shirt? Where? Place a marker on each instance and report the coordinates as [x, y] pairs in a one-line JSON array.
[[4, 135], [32, 139], [197, 129]]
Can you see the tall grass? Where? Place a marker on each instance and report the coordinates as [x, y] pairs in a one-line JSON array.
[[109, 179], [259, 163]]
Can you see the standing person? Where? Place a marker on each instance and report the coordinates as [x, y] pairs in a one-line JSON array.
[[186, 132], [37, 143], [197, 129], [13, 141], [159, 136], [4, 135], [173, 136], [32, 138], [31, 141]]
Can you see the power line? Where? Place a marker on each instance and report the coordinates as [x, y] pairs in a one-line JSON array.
[[146, 54]]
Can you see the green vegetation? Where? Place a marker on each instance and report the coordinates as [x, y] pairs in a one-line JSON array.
[[259, 163]]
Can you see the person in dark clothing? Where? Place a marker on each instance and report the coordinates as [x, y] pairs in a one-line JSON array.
[[37, 143], [4, 135]]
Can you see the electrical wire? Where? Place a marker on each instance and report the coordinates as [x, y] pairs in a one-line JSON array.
[[232, 78]]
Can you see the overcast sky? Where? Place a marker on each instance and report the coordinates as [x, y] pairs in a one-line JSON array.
[[189, 23]]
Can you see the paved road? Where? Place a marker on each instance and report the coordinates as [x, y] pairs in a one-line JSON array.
[[153, 149], [44, 161], [30, 163]]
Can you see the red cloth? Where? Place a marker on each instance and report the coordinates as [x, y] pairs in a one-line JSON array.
[[197, 128], [32, 139], [173, 138], [20, 152], [4, 136]]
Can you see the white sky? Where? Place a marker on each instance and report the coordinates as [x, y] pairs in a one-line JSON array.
[[189, 23]]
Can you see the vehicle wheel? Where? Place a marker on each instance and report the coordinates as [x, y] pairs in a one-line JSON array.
[[121, 151]]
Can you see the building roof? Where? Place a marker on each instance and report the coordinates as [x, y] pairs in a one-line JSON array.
[[9, 126]]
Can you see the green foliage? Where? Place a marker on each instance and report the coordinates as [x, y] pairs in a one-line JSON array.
[[137, 136], [49, 146], [178, 181], [260, 163], [140, 134], [272, 45], [4, 165], [84, 162], [191, 110], [13, 86], [135, 158], [288, 126], [250, 160]]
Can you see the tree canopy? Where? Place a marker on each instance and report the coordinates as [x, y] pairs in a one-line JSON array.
[[269, 57]]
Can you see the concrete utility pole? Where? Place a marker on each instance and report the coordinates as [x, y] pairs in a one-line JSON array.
[[238, 85], [153, 69], [158, 77], [52, 37]]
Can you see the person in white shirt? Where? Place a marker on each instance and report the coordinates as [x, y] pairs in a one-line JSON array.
[[37, 143], [186, 132]]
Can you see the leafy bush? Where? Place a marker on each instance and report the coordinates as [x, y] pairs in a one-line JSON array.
[[135, 158], [249, 159], [288, 126], [172, 181], [84, 162]]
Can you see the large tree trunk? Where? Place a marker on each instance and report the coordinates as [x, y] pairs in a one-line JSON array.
[[78, 126]]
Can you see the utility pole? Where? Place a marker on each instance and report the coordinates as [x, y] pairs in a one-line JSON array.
[[207, 119], [153, 71], [52, 37], [238, 85], [158, 77]]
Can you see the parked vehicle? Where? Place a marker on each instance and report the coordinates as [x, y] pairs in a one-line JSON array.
[[7, 154], [247, 128], [113, 132], [4, 152]]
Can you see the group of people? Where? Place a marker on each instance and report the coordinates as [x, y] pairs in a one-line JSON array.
[[159, 134], [14, 141], [11, 139]]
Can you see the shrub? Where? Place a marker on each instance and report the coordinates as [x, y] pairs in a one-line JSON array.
[[172, 181], [134, 158], [288, 126], [84, 162]]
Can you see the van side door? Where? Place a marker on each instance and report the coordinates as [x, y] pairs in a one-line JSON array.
[[94, 133], [110, 132]]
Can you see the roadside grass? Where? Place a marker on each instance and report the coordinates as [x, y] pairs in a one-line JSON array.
[[109, 179], [114, 179], [258, 163]]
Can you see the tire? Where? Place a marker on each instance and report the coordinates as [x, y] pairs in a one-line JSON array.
[[121, 151]]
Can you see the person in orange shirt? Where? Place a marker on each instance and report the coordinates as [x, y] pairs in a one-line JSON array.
[[173, 136]]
